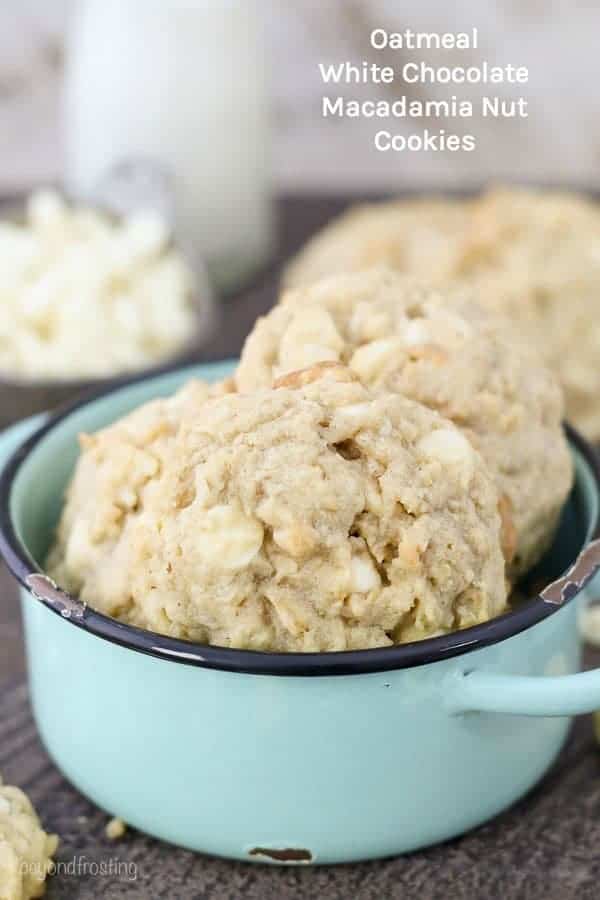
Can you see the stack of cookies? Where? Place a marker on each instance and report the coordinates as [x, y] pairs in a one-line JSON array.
[[386, 462]]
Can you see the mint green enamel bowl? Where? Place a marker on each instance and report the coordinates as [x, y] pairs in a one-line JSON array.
[[293, 758]]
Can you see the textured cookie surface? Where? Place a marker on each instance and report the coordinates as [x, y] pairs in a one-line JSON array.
[[536, 257], [313, 516], [116, 467], [447, 352], [26, 851], [419, 237], [532, 254]]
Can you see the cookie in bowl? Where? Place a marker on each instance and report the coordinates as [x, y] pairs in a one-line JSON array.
[[443, 349], [315, 515], [118, 466]]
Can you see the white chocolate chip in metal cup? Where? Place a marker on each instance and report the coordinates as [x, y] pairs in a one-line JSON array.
[[229, 538], [415, 332], [355, 416], [364, 575], [310, 338], [202, 490], [449, 447], [370, 360]]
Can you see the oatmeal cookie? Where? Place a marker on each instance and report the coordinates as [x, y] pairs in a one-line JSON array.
[[447, 352], [313, 516], [26, 851], [535, 256], [421, 237], [119, 464], [532, 254]]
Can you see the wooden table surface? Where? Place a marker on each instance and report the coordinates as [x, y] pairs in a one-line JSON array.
[[547, 847]]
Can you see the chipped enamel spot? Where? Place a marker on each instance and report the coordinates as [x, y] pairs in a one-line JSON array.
[[45, 589]]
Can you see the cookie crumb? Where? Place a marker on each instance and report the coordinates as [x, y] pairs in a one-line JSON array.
[[115, 829], [26, 851]]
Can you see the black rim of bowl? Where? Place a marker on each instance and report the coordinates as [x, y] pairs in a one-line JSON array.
[[255, 662]]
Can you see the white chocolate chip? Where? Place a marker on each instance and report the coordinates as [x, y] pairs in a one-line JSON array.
[[449, 447], [415, 332], [356, 410], [365, 576], [202, 489], [228, 537], [370, 360], [367, 324], [355, 414], [4, 806], [291, 617], [45, 209], [145, 234], [310, 338], [127, 498], [79, 544]]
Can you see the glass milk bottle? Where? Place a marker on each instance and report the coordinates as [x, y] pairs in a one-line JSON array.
[[177, 85]]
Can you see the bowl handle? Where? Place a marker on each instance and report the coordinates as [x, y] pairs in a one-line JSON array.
[[478, 690], [524, 695]]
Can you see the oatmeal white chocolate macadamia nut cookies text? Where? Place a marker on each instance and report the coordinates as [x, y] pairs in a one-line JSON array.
[[314, 515], [26, 851], [447, 352]]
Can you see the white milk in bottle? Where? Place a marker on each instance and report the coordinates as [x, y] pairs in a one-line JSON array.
[[179, 85]]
